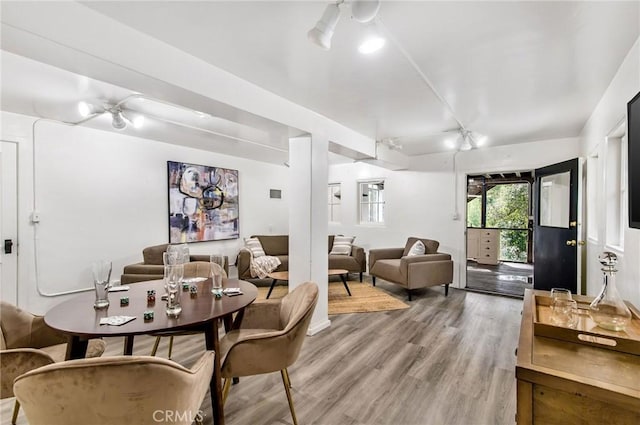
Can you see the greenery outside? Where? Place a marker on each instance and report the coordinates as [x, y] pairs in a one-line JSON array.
[[507, 208]]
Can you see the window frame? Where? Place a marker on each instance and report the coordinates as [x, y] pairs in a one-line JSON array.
[[331, 204], [381, 204]]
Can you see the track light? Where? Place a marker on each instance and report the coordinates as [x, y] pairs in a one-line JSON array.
[[117, 119], [323, 31], [364, 11]]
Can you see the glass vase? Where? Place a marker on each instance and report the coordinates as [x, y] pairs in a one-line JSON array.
[[608, 309]]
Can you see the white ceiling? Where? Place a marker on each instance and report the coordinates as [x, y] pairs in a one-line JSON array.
[[514, 71]]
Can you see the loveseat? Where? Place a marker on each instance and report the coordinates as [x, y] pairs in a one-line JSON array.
[[278, 246], [410, 270], [152, 267]]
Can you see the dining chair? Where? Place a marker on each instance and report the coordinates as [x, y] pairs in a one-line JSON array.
[[269, 338], [27, 343], [118, 390], [192, 269]]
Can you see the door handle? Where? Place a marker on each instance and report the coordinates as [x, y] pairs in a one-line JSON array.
[[572, 242], [8, 245]]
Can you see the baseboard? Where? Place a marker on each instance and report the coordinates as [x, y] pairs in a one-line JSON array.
[[314, 328]]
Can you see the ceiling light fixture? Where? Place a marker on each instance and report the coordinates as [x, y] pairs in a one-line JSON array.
[[323, 31], [117, 119], [362, 11]]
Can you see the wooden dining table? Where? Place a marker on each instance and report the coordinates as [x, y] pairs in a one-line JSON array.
[[80, 321]]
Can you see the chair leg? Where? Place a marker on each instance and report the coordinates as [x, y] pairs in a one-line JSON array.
[[360, 277], [287, 386], [16, 409], [446, 290], [409, 293], [225, 389], [373, 279], [155, 346], [170, 346], [286, 372]]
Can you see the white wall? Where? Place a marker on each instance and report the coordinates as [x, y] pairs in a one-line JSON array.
[[421, 201], [606, 116], [104, 195]]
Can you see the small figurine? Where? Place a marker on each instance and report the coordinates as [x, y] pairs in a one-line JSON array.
[[124, 301], [151, 296], [148, 315], [185, 286]]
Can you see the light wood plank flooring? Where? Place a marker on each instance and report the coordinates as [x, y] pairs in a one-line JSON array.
[[443, 361]]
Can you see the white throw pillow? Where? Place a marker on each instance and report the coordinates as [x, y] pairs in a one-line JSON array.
[[254, 245], [342, 245], [416, 249]]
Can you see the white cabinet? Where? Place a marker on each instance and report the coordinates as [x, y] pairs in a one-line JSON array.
[[483, 245]]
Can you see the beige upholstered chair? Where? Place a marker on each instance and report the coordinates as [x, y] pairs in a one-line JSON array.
[[193, 269], [27, 343], [269, 338], [120, 390], [417, 271]]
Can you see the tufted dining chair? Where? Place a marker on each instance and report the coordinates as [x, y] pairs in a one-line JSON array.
[[193, 269], [118, 390], [269, 338], [27, 343]]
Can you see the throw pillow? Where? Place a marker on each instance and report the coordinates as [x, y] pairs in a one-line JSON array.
[[342, 245], [417, 248], [254, 245]]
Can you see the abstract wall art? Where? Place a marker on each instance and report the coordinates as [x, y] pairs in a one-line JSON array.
[[203, 203]]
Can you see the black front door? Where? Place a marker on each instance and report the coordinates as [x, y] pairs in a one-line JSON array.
[[555, 234]]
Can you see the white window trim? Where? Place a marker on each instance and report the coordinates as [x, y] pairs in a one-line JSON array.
[[369, 223], [339, 185]]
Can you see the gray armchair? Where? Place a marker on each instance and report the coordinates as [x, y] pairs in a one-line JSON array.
[[412, 272]]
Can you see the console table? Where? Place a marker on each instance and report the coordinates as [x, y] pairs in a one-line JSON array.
[[560, 382]]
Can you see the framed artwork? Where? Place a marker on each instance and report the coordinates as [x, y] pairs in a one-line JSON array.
[[203, 203]]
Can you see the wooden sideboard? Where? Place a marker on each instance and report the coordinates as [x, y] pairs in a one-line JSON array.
[[560, 382]]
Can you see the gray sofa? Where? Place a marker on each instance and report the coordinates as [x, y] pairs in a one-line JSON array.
[[412, 272], [152, 267], [278, 246]]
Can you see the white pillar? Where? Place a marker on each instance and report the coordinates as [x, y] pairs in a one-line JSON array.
[[308, 220]]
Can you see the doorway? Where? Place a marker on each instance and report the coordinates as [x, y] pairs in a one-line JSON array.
[[500, 233]]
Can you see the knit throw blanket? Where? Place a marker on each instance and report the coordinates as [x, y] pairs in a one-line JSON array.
[[262, 266]]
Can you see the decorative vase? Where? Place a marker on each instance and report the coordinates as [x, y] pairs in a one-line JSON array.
[[608, 309]]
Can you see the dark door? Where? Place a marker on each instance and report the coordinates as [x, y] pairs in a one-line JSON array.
[[555, 233]]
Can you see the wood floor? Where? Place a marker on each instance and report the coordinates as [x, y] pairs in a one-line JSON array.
[[442, 361], [505, 278]]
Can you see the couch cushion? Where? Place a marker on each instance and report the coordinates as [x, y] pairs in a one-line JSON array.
[[274, 244], [342, 245], [346, 262], [418, 248], [254, 245], [431, 246], [284, 263], [389, 270], [153, 254]]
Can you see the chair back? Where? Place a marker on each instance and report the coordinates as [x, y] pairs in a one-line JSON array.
[[202, 269], [120, 390], [22, 329], [269, 350]]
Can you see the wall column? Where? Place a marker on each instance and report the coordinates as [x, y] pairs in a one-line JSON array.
[[308, 225]]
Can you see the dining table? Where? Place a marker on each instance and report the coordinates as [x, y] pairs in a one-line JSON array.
[[201, 311]]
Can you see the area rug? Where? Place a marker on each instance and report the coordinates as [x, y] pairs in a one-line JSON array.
[[364, 298]]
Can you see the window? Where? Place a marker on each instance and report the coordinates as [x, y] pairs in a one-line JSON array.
[[371, 195], [334, 202], [615, 191]]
